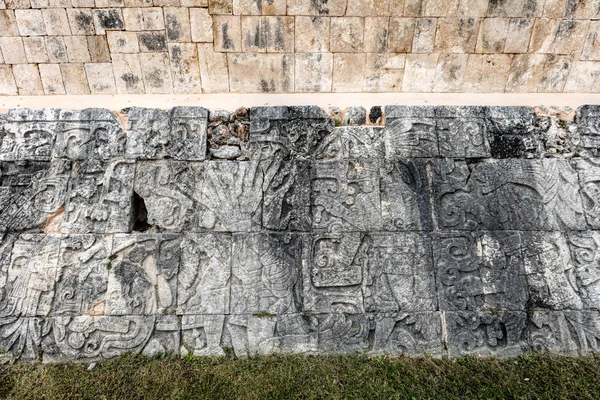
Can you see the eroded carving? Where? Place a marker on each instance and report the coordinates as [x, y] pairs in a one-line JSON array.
[[410, 132], [29, 134]]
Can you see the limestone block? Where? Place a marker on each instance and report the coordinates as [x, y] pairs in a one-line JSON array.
[[487, 333], [376, 34], [122, 42], [143, 276], [82, 277], [313, 72], [425, 30], [184, 65], [516, 8], [565, 332], [177, 22], [227, 33], [220, 7], [520, 34], [457, 35], [302, 7], [51, 79], [133, 18], [74, 79], [255, 73], [412, 8], [480, 271], [27, 78], [57, 51], [410, 132], [109, 3], [312, 34], [266, 273], [254, 34], [156, 71], [419, 72], [30, 22], [588, 171], [348, 72], [543, 35], [346, 34], [171, 191], [232, 196], [450, 72], [35, 49], [400, 276], [483, 195], [571, 37], [384, 72], [92, 133], [582, 10], [8, 23], [345, 195], [7, 80], [152, 41], [525, 73], [204, 279], [591, 49], [96, 338], [128, 73], [83, 3], [492, 35], [405, 198], [77, 48], [582, 77], [107, 19], [213, 69], [30, 277], [280, 34], [56, 21], [201, 25], [461, 132], [202, 335], [166, 3], [153, 19], [486, 73], [81, 21], [100, 78], [28, 135], [13, 50], [554, 73]]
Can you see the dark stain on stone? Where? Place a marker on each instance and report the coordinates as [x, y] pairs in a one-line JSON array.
[[155, 79], [83, 20], [110, 19], [130, 80], [153, 41], [176, 54], [173, 27], [227, 42], [267, 86], [278, 42], [530, 8], [375, 114], [320, 6]]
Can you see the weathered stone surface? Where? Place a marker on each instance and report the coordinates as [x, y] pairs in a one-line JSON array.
[[461, 132], [566, 332], [511, 131], [410, 131], [29, 134]]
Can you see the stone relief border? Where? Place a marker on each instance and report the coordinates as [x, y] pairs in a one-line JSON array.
[[438, 231]]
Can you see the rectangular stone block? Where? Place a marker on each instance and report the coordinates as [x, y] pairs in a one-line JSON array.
[[56, 21], [520, 34], [313, 72], [457, 35], [554, 73], [266, 274], [348, 72], [227, 33], [345, 195], [261, 73], [184, 65], [410, 132], [152, 41], [101, 78], [480, 271], [486, 333], [280, 34], [13, 50], [128, 73], [213, 69], [7, 81], [81, 21], [122, 42], [525, 73], [492, 35], [591, 49], [57, 51], [405, 198], [27, 78], [461, 132], [419, 72], [303, 7], [201, 25], [254, 34], [9, 22], [107, 19], [30, 22], [82, 278], [177, 22], [401, 35], [450, 73], [77, 48], [51, 79], [98, 47], [565, 332], [507, 194], [424, 39], [100, 198], [204, 279], [346, 34], [400, 275], [143, 276], [156, 71], [35, 49], [384, 72], [312, 34]]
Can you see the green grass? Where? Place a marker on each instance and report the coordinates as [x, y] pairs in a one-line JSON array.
[[300, 377]]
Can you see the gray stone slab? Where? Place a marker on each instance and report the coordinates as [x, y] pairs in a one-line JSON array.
[[565, 332], [410, 132], [143, 275], [29, 134], [588, 127], [400, 275], [89, 133], [82, 277], [32, 193], [461, 132], [266, 273], [148, 134], [405, 195], [550, 272], [480, 271], [204, 278], [345, 195], [171, 191], [100, 198], [512, 132], [495, 334], [507, 194], [232, 196]]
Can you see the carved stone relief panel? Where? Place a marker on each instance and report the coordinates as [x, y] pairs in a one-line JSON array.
[[143, 275], [588, 127], [410, 131], [29, 134], [566, 332], [585, 256], [513, 132], [461, 132], [589, 188]]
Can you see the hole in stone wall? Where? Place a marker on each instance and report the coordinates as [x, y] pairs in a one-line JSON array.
[[140, 214]]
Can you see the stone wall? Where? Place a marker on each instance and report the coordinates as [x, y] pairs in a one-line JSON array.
[[209, 46], [434, 230]]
